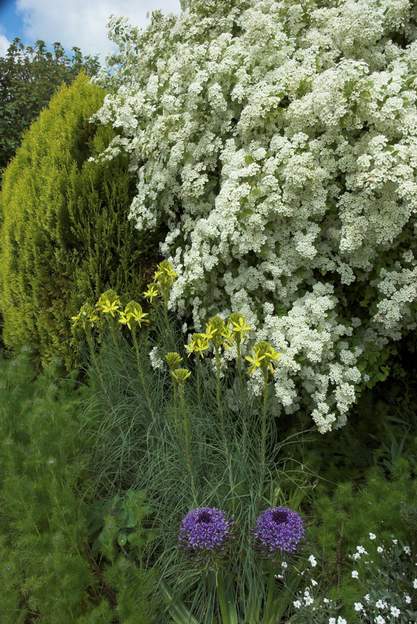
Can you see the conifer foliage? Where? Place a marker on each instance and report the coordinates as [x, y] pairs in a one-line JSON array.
[[64, 232]]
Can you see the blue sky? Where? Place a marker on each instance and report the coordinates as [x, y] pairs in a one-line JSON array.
[[79, 23]]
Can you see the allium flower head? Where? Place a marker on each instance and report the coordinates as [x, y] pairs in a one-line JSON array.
[[205, 529], [279, 529]]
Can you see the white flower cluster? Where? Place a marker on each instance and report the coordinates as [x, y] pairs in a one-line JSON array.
[[384, 586], [277, 141]]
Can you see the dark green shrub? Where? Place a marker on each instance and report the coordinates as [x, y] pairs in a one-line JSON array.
[[67, 556], [65, 234]]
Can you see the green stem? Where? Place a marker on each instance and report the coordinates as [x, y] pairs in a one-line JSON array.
[[186, 427], [221, 418], [226, 602], [264, 427], [141, 375]]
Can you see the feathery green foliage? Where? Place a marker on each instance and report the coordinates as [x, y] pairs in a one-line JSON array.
[[64, 231], [67, 558]]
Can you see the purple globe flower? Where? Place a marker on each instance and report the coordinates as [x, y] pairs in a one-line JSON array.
[[205, 528], [279, 529]]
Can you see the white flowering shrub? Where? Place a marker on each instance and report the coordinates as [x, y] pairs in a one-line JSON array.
[[385, 588], [277, 140]]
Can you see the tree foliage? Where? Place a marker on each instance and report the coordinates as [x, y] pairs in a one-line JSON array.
[[29, 76], [64, 232]]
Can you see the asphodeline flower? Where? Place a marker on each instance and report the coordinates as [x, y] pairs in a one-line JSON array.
[[263, 356], [279, 529], [215, 329], [205, 529], [198, 344], [132, 315], [109, 303], [180, 375], [151, 292], [164, 276], [86, 317], [173, 359], [239, 326]]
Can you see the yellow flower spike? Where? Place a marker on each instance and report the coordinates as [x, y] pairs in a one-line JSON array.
[[180, 375], [165, 276], [151, 293], [134, 312], [263, 356], [200, 344], [255, 362], [109, 303], [239, 326], [173, 359], [86, 318], [214, 331], [228, 337]]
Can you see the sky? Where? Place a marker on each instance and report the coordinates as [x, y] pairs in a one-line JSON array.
[[79, 23]]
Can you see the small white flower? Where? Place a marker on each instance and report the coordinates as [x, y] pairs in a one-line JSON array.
[[407, 550], [308, 600], [407, 598], [372, 536], [314, 582], [361, 550], [358, 606], [356, 556], [415, 583], [341, 620], [380, 604], [297, 604], [326, 600], [284, 565], [332, 620], [395, 541], [379, 619], [313, 561], [355, 574], [367, 597], [395, 612], [380, 549]]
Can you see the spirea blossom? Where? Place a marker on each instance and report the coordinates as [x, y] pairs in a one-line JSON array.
[[279, 529], [277, 144], [205, 529]]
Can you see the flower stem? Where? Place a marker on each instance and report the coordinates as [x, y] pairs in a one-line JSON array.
[[187, 436], [141, 375]]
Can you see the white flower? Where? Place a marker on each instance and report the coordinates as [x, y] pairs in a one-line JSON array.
[[367, 598], [314, 582], [380, 549], [395, 541], [379, 619], [355, 574], [361, 550], [395, 612], [313, 561], [358, 606], [415, 583], [407, 599], [156, 360], [332, 620], [297, 604], [372, 536], [407, 550], [284, 565], [381, 604], [341, 620]]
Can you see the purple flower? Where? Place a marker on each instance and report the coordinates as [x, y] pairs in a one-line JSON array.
[[205, 528], [279, 528]]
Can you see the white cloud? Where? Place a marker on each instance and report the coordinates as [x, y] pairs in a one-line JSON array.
[[82, 23], [4, 44]]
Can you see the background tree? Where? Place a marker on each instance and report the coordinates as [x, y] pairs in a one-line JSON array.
[[29, 76]]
